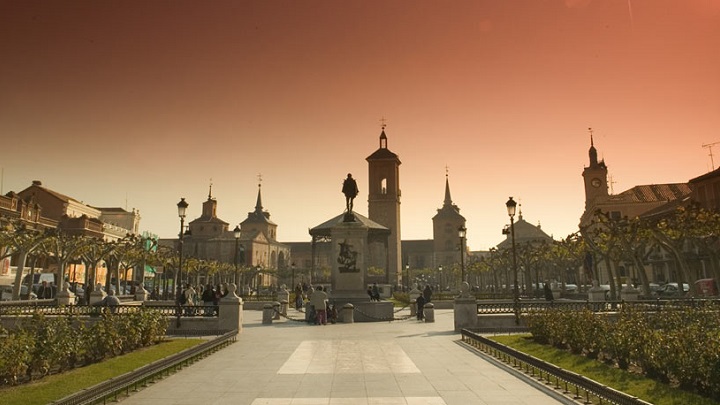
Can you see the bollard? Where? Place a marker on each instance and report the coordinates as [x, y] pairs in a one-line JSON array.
[[267, 314], [283, 307], [348, 313], [276, 310], [429, 312]]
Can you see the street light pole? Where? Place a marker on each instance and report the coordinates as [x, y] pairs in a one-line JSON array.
[[181, 207], [236, 234], [441, 280], [407, 272], [292, 269], [511, 205], [462, 231]]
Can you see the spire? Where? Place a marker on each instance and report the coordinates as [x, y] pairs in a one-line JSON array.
[[258, 204], [519, 212], [210, 191], [593, 151], [448, 200]]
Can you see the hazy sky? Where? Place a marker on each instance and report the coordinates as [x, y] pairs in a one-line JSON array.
[[138, 103]]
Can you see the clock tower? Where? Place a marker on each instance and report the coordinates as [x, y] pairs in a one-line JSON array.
[[595, 176]]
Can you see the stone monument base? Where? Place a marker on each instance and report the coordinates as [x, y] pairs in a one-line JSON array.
[[365, 310]]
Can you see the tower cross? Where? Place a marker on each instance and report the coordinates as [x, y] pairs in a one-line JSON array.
[[383, 122]]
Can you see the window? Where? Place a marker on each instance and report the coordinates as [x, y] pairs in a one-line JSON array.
[[383, 186]]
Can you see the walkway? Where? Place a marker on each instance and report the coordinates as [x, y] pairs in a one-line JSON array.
[[384, 363]]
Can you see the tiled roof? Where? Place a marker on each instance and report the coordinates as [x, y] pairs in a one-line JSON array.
[[710, 175], [657, 192]]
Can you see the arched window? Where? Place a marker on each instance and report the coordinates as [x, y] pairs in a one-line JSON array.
[[383, 186]]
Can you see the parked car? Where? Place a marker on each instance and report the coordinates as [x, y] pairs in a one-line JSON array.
[[6, 292], [671, 289]]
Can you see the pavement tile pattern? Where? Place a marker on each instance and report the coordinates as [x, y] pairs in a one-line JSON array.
[[404, 362]]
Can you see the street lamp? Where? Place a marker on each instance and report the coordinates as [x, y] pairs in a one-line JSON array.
[[440, 271], [462, 231], [407, 272], [292, 269], [181, 207], [511, 205], [236, 234]]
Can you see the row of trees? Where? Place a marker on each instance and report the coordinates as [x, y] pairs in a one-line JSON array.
[[683, 245], [124, 259]]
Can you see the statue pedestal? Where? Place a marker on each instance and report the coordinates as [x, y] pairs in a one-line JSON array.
[[349, 253], [350, 263]]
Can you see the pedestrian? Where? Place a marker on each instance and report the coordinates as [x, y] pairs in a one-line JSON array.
[[298, 297], [44, 292], [208, 298], [369, 293], [420, 307], [111, 301], [548, 292], [427, 293], [375, 292], [319, 301], [190, 298]]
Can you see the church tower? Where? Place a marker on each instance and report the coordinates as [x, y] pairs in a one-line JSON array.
[[384, 201], [595, 176], [446, 224]]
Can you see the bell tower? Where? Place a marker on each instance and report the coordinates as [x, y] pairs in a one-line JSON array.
[[384, 201], [595, 176]]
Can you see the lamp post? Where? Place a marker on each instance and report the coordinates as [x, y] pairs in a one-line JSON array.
[[182, 207], [292, 270], [407, 272], [511, 205], [236, 234], [440, 271], [462, 231]]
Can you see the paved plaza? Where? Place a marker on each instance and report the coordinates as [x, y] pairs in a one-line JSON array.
[[384, 363]]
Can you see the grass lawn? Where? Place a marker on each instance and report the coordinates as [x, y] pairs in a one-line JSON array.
[[630, 383], [54, 387]]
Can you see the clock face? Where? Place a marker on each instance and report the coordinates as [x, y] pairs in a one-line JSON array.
[[595, 182]]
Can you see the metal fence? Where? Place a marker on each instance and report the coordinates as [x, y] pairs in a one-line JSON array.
[[110, 390], [524, 306], [570, 383], [50, 307]]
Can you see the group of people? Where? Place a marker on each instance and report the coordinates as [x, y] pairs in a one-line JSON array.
[[206, 296], [421, 300], [374, 292], [318, 309]]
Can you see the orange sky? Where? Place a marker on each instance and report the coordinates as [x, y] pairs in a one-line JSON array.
[[143, 102]]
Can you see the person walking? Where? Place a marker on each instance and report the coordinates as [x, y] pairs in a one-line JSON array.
[[420, 307], [319, 301]]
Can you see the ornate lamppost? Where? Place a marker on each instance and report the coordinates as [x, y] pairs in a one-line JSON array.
[[511, 205], [440, 277], [462, 231], [182, 207], [236, 234]]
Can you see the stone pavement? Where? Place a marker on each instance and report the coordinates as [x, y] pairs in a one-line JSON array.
[[383, 363]]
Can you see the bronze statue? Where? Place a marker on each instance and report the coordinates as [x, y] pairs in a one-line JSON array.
[[350, 190]]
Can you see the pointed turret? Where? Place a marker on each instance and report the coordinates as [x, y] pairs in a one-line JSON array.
[[448, 200]]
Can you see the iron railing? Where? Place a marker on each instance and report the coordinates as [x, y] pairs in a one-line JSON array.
[[568, 382], [507, 307]]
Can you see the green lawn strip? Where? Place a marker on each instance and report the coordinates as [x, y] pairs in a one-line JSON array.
[[630, 383], [57, 386]]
